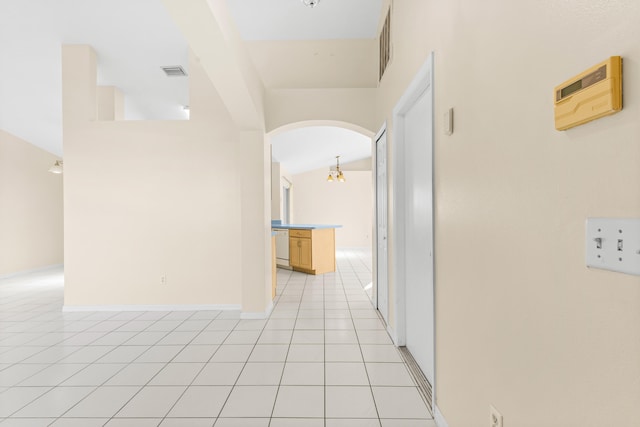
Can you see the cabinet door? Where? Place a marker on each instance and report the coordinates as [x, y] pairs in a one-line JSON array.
[[294, 252], [305, 253]]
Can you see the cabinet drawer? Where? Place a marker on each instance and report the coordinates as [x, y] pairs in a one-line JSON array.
[[300, 233]]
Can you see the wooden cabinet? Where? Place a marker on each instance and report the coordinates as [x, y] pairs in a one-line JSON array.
[[312, 251], [300, 252]]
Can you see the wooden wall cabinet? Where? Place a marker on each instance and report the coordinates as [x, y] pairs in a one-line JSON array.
[[312, 251]]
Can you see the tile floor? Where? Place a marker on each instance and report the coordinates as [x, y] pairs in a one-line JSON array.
[[323, 358]]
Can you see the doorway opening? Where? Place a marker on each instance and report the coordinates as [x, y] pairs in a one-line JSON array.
[[304, 155]]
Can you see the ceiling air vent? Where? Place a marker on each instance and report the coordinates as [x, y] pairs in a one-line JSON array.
[[174, 71]]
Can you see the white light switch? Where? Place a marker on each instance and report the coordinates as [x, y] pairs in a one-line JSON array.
[[613, 244]]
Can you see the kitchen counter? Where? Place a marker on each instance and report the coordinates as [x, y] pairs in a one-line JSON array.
[[304, 226], [311, 247]]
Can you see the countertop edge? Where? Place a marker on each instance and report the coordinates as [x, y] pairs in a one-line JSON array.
[[304, 226]]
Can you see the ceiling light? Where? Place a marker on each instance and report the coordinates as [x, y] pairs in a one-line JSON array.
[[338, 173], [57, 167], [310, 3]]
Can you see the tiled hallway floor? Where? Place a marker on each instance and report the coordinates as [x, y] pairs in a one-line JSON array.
[[323, 358]]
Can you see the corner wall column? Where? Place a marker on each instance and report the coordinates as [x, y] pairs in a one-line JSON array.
[[254, 158]]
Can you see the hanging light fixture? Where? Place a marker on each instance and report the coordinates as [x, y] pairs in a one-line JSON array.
[[310, 3], [338, 173], [57, 167]]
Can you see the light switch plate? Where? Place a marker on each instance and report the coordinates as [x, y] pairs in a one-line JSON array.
[[613, 244]]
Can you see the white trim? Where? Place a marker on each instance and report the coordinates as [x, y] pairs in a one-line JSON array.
[[439, 418], [35, 270], [392, 334], [154, 307], [376, 258], [420, 83], [250, 315], [382, 130]]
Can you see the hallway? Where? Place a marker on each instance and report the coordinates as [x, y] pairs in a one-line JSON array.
[[323, 358]]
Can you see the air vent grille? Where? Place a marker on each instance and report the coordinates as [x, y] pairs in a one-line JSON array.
[[174, 71], [385, 44], [424, 386]]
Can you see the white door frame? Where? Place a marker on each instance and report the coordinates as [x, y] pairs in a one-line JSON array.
[[420, 83], [378, 258]]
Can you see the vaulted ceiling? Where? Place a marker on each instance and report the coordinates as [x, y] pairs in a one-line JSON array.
[[133, 39]]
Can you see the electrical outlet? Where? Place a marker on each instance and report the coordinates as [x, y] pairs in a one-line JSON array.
[[163, 279], [495, 417]]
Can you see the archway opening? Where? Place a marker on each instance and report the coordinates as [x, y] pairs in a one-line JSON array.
[[304, 155]]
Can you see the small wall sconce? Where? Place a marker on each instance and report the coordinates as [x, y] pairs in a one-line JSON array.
[[57, 167]]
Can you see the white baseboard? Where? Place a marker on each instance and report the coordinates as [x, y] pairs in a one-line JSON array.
[[154, 307], [34, 270], [439, 418], [257, 315]]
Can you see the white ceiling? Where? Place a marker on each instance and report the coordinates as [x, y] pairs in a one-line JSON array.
[[291, 20], [314, 147], [133, 39]]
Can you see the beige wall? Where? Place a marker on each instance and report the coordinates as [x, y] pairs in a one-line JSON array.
[[276, 204], [279, 176], [520, 322], [148, 199], [30, 207], [354, 109], [316, 63], [348, 203], [110, 103]]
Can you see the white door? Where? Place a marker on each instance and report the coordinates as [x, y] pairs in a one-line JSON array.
[[419, 234], [413, 220], [382, 285]]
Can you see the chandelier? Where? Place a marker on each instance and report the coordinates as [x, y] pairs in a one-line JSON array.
[[337, 173]]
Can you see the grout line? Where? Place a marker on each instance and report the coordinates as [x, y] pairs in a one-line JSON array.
[[293, 331], [364, 364], [334, 292], [134, 360], [324, 347]]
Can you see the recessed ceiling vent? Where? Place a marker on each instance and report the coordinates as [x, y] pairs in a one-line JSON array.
[[174, 71]]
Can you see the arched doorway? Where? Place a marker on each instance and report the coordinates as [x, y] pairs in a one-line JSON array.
[[303, 155]]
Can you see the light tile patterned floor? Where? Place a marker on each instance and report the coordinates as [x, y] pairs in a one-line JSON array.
[[323, 358]]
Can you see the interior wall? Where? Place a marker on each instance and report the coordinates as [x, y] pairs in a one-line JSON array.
[[521, 323], [149, 199], [340, 63], [353, 109], [31, 222], [346, 203], [279, 175], [276, 204]]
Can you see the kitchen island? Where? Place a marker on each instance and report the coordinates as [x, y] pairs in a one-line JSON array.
[[312, 247]]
